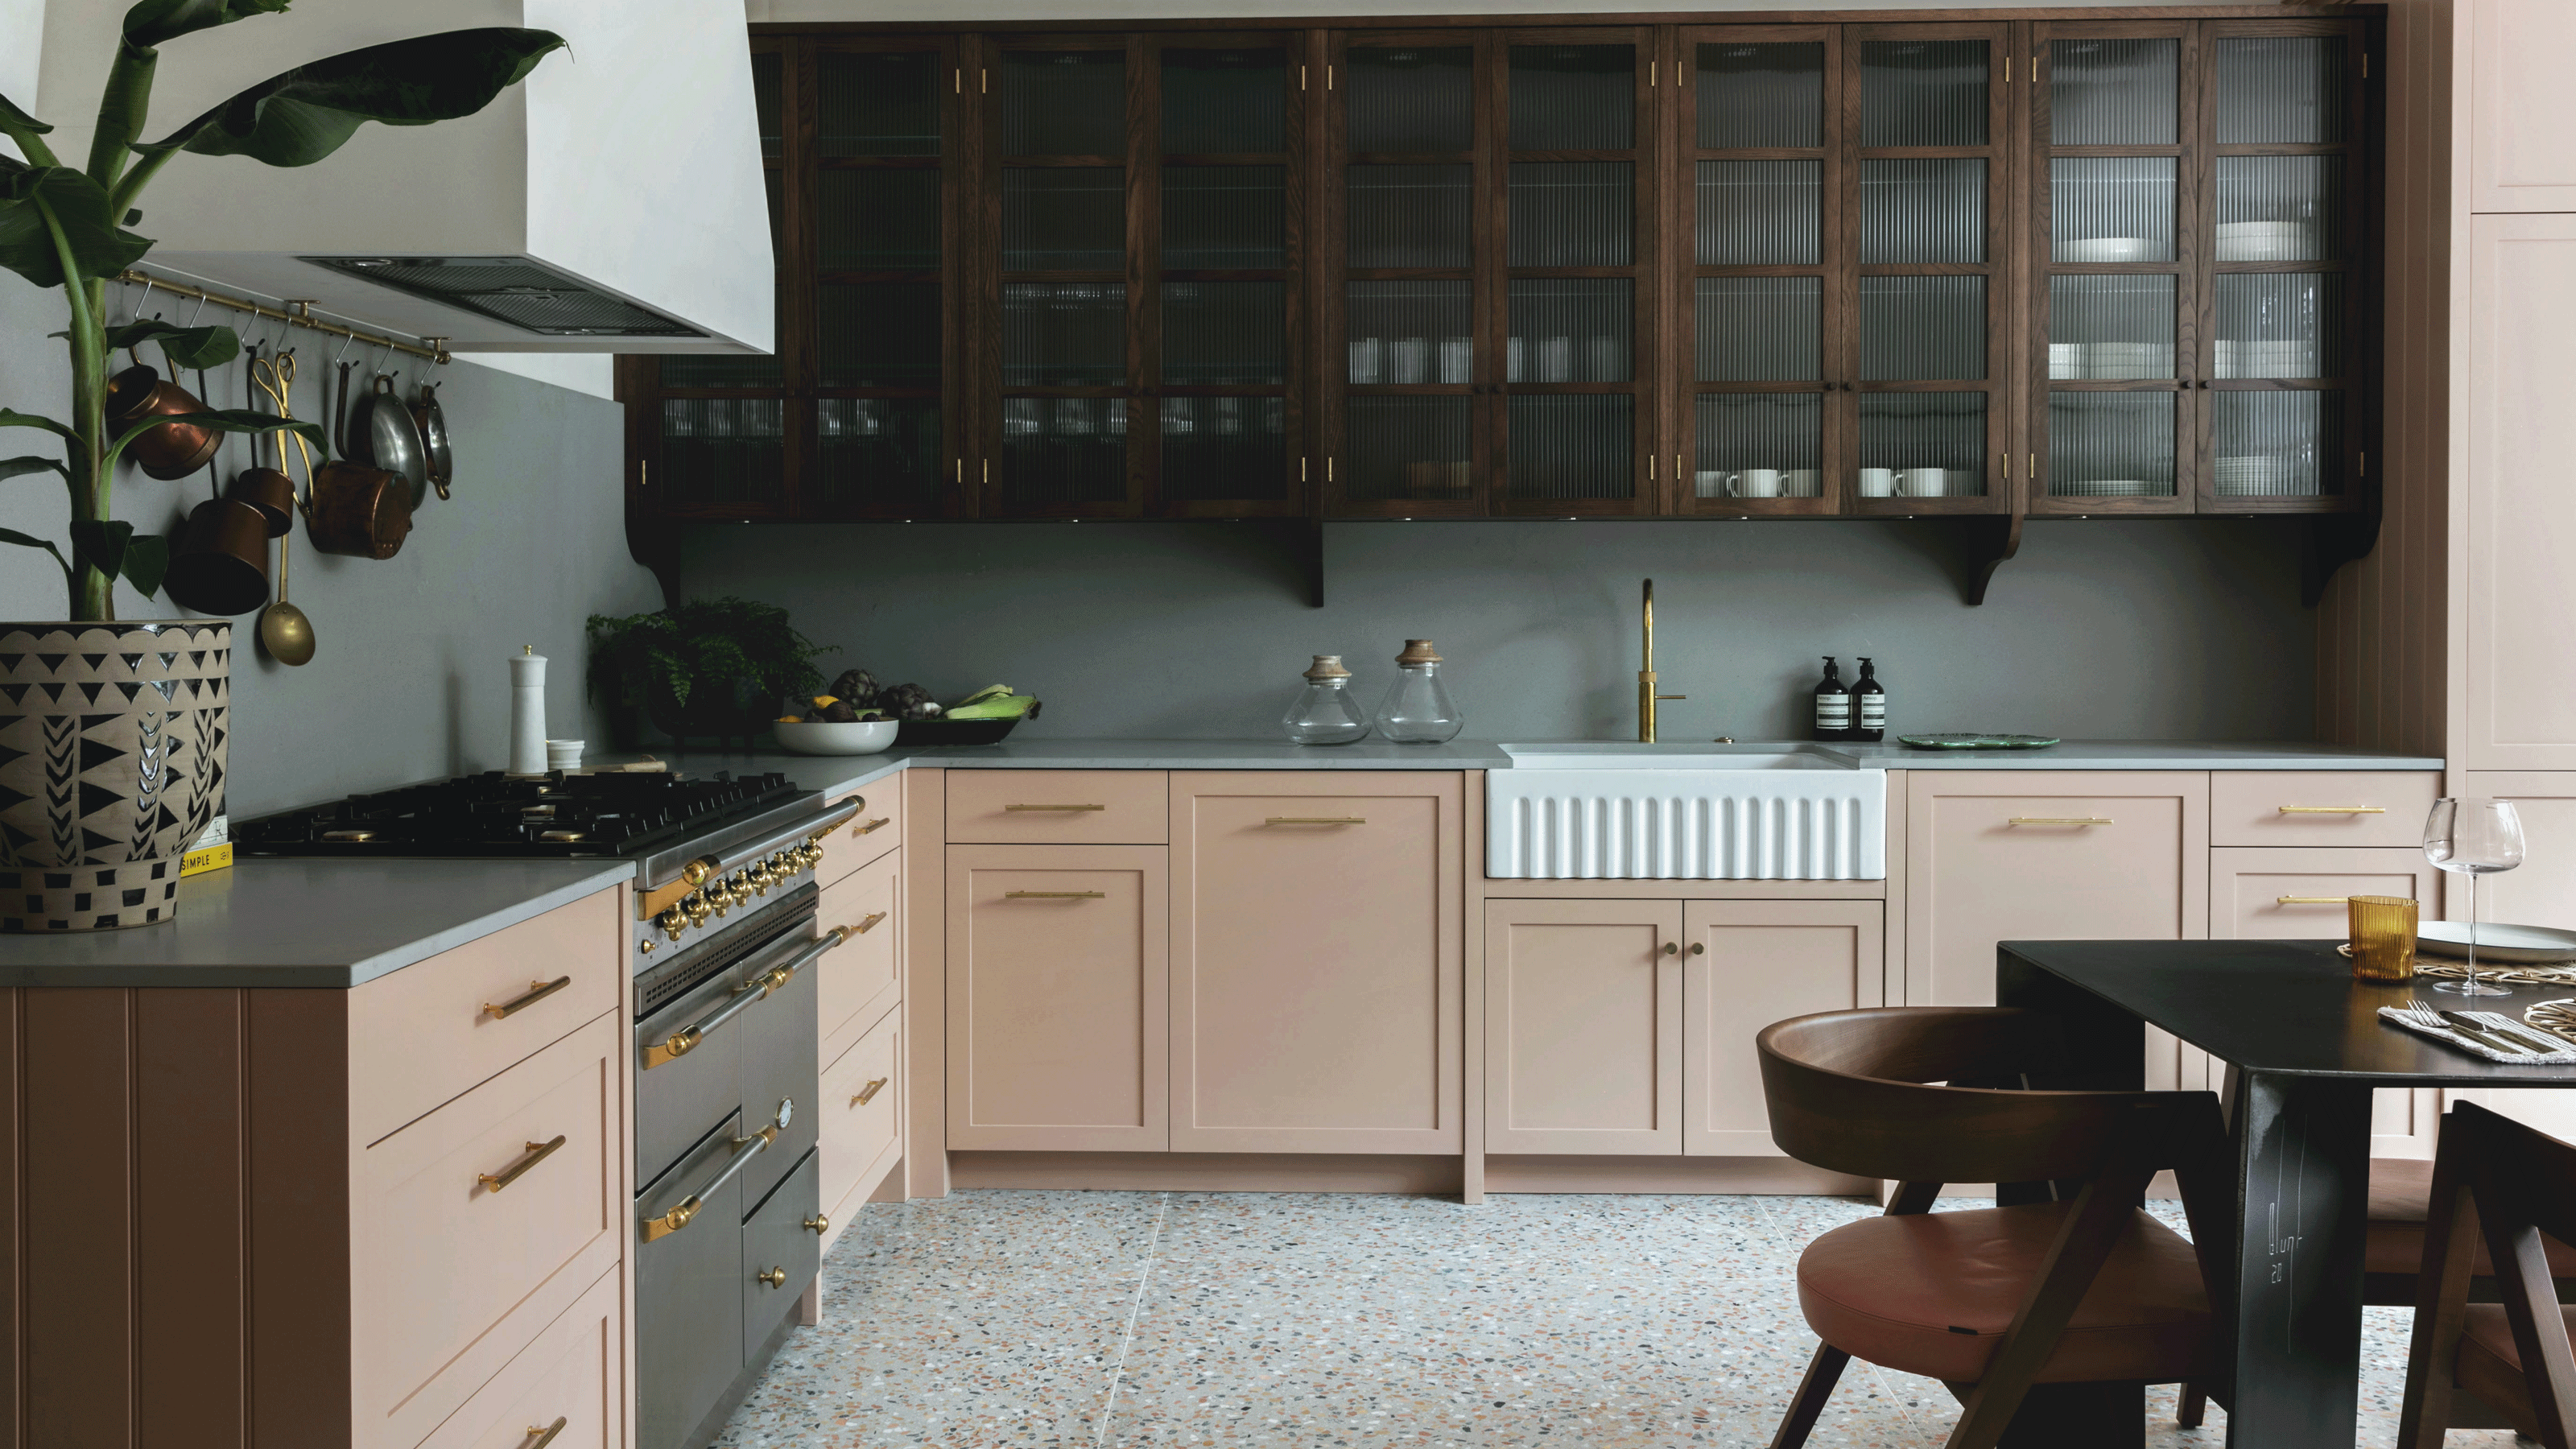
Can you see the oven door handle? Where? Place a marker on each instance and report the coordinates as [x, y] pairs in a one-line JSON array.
[[745, 992], [744, 1150]]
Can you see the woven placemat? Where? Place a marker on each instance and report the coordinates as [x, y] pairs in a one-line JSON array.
[[2554, 1016], [2526, 975]]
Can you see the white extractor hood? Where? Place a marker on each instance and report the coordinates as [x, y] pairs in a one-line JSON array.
[[617, 188]]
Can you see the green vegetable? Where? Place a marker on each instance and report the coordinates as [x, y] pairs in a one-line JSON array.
[[995, 706]]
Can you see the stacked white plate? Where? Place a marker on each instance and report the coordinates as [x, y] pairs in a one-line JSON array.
[[2107, 249], [2066, 360], [2266, 241], [2111, 488], [2258, 475], [2267, 357]]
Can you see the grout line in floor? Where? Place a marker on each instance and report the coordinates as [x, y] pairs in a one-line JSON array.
[[1144, 1275]]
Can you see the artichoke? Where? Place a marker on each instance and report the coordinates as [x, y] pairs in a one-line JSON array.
[[857, 687], [905, 701]]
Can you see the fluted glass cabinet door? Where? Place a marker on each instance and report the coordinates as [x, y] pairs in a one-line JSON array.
[[2280, 428], [2118, 267], [1410, 362], [1763, 275], [1927, 363]]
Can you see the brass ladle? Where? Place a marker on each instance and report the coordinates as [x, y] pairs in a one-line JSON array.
[[283, 628]]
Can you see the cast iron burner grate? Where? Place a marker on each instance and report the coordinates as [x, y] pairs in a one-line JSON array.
[[500, 815]]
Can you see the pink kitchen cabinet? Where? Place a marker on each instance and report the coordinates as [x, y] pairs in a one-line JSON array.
[[1583, 1026], [1745, 965]]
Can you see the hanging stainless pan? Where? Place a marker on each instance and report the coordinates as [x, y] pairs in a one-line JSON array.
[[381, 434]]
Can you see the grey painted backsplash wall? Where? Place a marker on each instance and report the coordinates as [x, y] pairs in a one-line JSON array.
[[409, 680], [2162, 629]]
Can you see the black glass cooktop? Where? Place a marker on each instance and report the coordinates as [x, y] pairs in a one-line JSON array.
[[501, 815]]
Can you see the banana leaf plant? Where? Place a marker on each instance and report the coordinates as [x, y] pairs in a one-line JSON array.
[[67, 226]]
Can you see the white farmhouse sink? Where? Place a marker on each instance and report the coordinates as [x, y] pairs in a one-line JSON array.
[[1683, 812]]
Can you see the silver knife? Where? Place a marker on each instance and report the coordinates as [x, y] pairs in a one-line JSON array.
[[2460, 1022], [2523, 1035]]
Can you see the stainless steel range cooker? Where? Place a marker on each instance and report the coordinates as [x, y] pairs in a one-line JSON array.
[[728, 1207]]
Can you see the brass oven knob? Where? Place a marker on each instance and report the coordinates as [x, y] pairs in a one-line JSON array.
[[762, 878], [672, 922], [695, 906], [775, 1277]]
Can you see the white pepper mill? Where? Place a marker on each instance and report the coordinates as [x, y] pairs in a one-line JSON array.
[[528, 712]]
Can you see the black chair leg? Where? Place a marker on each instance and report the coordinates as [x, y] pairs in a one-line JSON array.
[[1823, 1371], [2194, 1406]]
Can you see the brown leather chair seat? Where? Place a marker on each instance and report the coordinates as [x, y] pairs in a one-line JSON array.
[[1933, 1293], [2401, 1192], [2490, 1366]]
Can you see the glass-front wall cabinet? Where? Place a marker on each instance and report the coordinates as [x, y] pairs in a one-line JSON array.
[[2068, 266]]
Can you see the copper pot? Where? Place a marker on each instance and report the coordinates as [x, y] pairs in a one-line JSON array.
[[269, 491], [173, 450], [221, 563], [359, 511]]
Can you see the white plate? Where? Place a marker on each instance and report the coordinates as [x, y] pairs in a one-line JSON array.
[[2110, 488], [821, 737], [2107, 249], [2502, 944]]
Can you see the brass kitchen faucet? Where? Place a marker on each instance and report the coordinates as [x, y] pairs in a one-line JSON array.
[[1646, 695]]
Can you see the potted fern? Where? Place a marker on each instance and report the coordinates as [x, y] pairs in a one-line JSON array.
[[112, 751], [709, 667]]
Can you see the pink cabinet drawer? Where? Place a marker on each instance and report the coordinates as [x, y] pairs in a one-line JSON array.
[[434, 1029], [861, 1100], [876, 829], [571, 1383], [478, 1225], [1059, 807], [861, 977], [2320, 807]]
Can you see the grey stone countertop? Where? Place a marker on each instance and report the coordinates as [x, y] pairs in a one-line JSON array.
[[835, 774], [267, 922]]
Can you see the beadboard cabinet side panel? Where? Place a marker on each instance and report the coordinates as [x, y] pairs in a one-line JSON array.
[[189, 1244], [924, 924], [78, 1123], [296, 1153]]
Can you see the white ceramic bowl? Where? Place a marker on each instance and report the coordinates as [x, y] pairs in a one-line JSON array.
[[813, 737]]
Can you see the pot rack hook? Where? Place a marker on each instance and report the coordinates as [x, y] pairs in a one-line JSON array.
[[200, 312], [347, 341], [384, 357]]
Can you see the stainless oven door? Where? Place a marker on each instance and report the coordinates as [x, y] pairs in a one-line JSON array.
[[690, 1053], [688, 1288]]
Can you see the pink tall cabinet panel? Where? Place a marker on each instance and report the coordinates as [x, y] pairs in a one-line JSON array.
[[2522, 109], [2521, 503], [1318, 961], [1583, 1026]]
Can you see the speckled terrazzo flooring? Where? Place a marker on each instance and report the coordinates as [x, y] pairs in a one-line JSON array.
[[1311, 1320]]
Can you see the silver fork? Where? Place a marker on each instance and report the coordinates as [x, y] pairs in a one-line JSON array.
[[2425, 1015]]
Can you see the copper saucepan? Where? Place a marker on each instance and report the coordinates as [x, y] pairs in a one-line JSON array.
[[173, 450], [359, 511], [269, 489]]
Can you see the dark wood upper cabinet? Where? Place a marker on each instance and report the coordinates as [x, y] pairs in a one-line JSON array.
[[2044, 263]]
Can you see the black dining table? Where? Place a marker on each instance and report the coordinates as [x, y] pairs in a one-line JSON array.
[[2305, 1048]]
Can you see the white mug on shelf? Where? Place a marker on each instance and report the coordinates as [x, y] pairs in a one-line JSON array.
[[1801, 483], [1923, 482], [1877, 482], [1709, 483], [1412, 359], [1366, 359], [1754, 483]]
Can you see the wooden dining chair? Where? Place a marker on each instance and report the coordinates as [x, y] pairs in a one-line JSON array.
[[2502, 1185], [2045, 1320], [2401, 1198]]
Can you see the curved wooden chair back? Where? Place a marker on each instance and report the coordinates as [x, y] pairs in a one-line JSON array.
[[2496, 1177]]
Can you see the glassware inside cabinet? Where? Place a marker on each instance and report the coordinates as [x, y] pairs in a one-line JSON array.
[[1572, 329], [1923, 444], [1410, 332], [1758, 445], [2279, 325]]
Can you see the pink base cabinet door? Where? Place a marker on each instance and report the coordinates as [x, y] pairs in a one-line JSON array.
[[1746, 964], [1583, 1026], [1058, 997], [1318, 961]]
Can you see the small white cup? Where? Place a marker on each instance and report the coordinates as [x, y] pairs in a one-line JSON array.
[[1877, 482], [1709, 483], [1754, 483], [1923, 482], [564, 754]]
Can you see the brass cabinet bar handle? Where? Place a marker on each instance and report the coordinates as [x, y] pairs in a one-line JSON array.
[[1055, 895], [537, 991], [537, 1152], [868, 1092], [744, 1150], [871, 827], [2310, 900], [756, 988], [1349, 819], [2334, 809], [2058, 820], [539, 1436], [870, 924], [1054, 807]]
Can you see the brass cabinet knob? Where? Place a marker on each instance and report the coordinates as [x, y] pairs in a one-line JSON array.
[[818, 1225], [1699, 948], [1672, 948], [774, 1277]]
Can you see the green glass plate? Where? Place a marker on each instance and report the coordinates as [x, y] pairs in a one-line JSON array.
[[1978, 742]]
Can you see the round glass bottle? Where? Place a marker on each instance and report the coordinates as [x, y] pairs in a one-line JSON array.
[[1418, 709], [1325, 713]]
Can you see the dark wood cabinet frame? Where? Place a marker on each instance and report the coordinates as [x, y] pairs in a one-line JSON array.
[[1979, 532]]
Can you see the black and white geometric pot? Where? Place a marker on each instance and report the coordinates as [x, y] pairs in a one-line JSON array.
[[112, 747]]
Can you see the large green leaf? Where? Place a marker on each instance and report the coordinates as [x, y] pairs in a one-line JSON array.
[[230, 420], [147, 558], [189, 347], [12, 467], [29, 540], [100, 543], [297, 118], [151, 22], [9, 419], [99, 247]]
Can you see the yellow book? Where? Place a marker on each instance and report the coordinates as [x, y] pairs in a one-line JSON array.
[[213, 857]]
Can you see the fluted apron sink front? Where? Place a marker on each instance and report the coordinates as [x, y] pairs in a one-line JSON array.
[[1683, 812]]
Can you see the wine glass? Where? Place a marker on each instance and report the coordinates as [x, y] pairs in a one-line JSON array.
[[2473, 837]]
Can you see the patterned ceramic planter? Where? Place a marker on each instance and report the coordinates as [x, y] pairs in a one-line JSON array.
[[112, 746]]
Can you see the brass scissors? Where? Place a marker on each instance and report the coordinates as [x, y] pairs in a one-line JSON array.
[[277, 379]]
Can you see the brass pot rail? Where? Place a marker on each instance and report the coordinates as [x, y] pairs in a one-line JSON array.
[[744, 1150], [300, 314], [745, 992], [537, 991], [537, 1152]]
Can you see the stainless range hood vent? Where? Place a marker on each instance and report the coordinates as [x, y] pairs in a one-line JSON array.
[[527, 295]]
